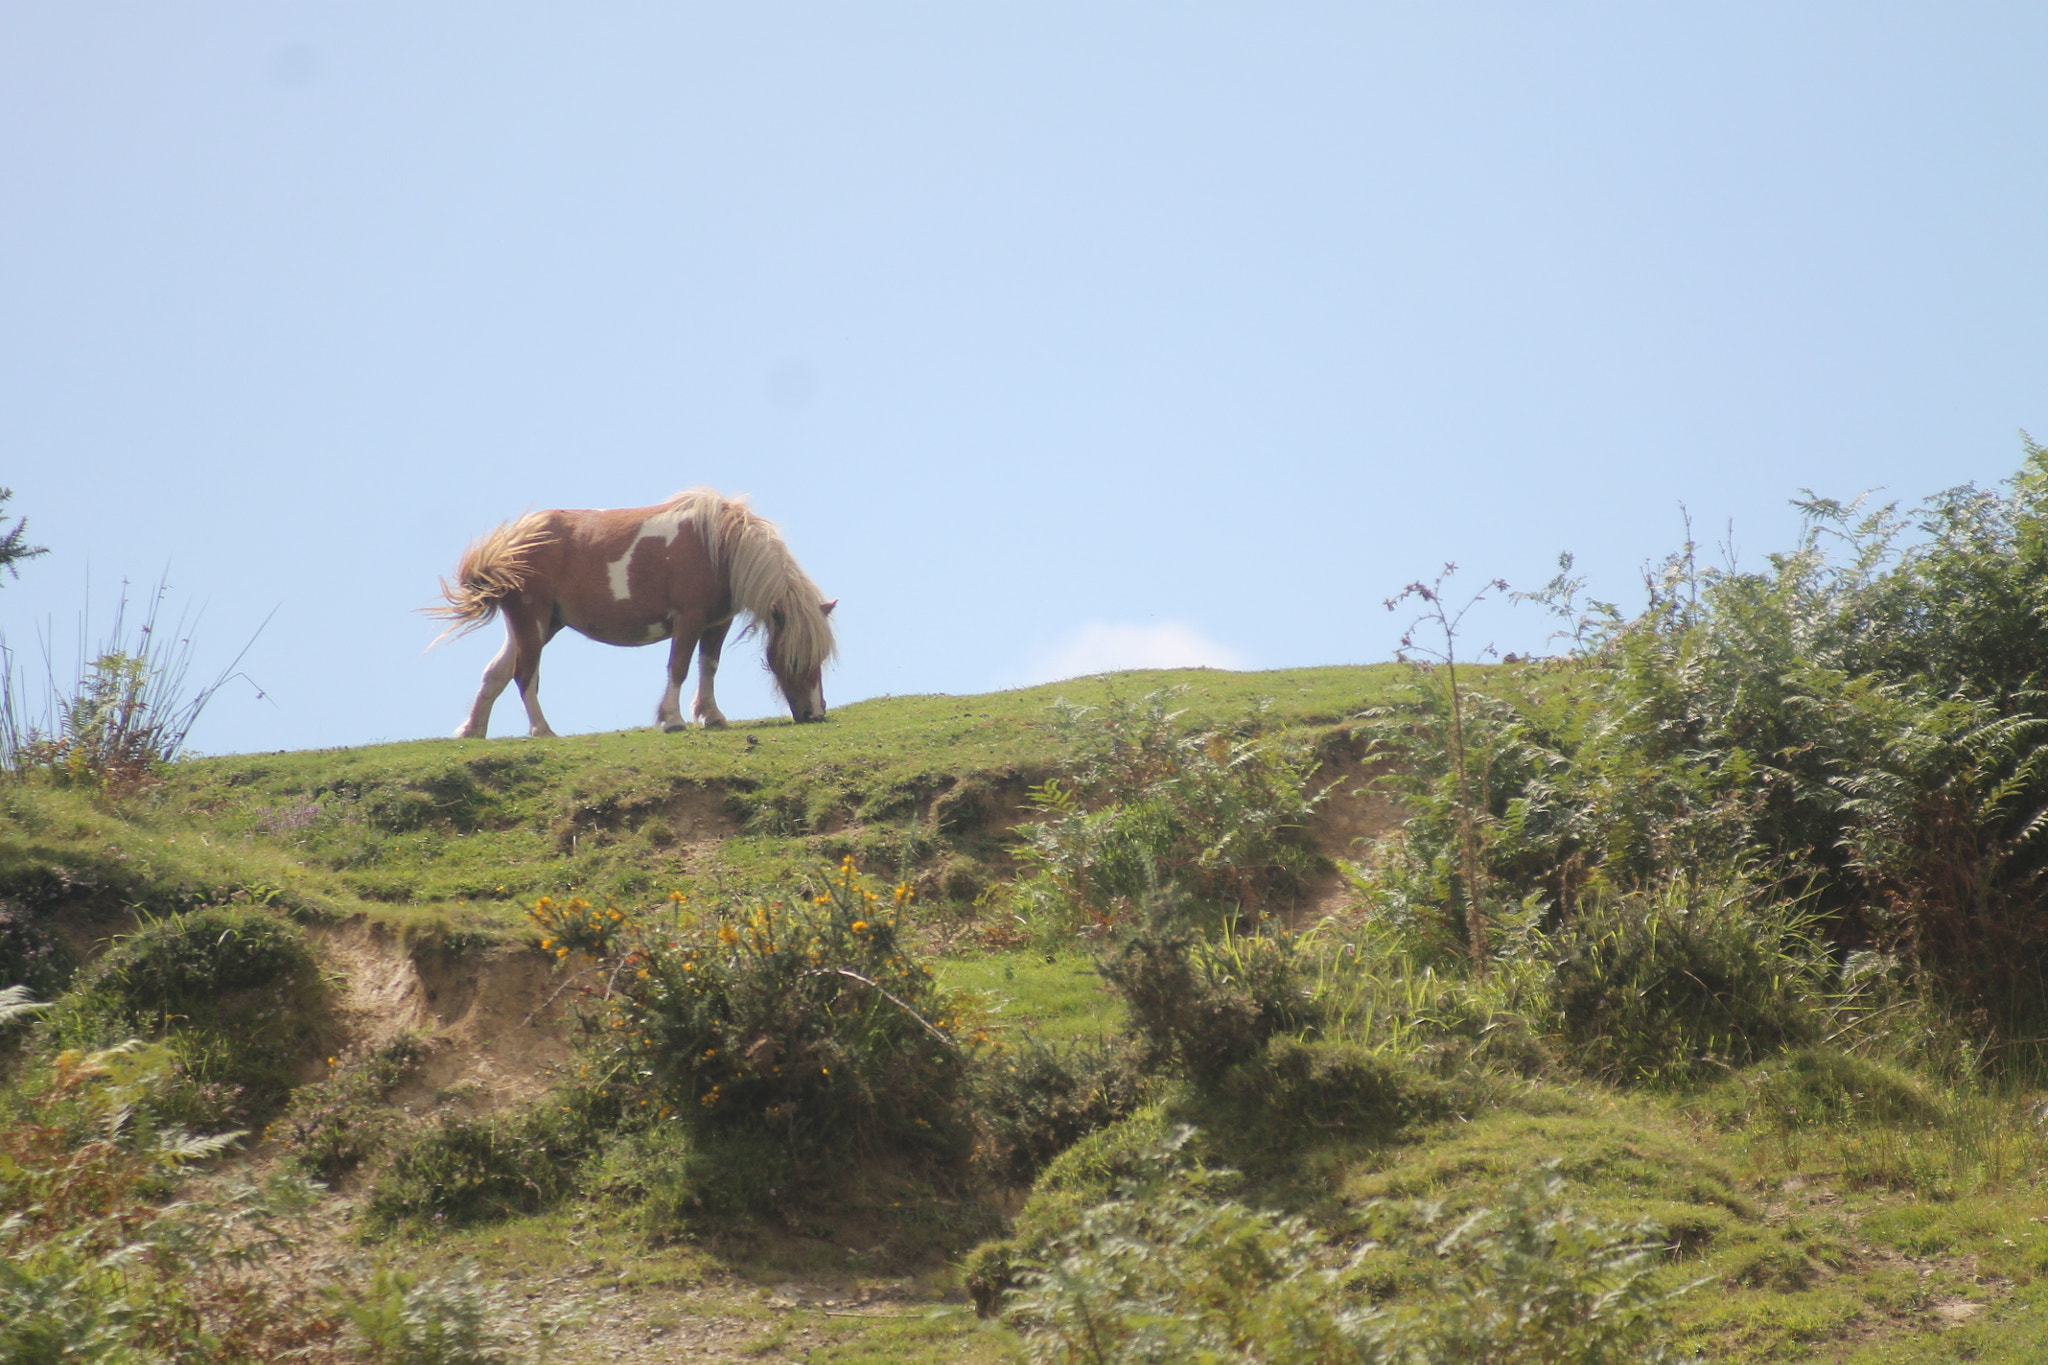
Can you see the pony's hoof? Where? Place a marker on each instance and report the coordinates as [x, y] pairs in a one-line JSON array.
[[669, 727], [712, 722]]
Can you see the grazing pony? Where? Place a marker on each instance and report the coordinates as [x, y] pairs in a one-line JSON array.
[[678, 572]]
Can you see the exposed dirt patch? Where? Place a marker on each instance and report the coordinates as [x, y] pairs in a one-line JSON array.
[[696, 814], [1354, 812], [494, 1019], [990, 804]]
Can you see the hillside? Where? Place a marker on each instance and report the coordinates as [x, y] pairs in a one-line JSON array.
[[1841, 1207], [456, 834]]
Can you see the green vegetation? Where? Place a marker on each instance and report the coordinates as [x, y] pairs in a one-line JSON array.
[[1172, 1269], [466, 832], [1214, 815], [336, 1123], [232, 992], [95, 1266], [1706, 954], [14, 546]]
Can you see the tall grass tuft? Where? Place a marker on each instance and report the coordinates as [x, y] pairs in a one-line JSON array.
[[129, 707]]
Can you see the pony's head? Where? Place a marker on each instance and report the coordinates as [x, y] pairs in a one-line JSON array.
[[799, 643], [767, 584]]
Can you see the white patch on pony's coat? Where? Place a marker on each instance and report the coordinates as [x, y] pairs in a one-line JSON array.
[[662, 526], [1107, 647], [660, 630]]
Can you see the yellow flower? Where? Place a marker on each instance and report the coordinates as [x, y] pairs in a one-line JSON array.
[[860, 926]]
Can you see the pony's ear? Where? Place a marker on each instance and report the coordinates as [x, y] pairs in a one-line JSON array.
[[825, 608]]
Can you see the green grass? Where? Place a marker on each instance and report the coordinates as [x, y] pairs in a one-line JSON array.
[[458, 832], [1841, 1212], [1054, 998]]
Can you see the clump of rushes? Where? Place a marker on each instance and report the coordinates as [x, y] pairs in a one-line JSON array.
[[802, 1021]]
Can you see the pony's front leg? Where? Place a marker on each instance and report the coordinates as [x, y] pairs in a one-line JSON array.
[[668, 713], [496, 676], [710, 645]]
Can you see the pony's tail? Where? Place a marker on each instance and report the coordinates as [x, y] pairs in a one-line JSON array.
[[493, 568]]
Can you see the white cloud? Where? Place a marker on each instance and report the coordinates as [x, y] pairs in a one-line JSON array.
[[1108, 647]]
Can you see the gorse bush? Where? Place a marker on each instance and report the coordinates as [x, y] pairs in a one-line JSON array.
[[333, 1124], [734, 1056], [802, 1022], [1212, 815]]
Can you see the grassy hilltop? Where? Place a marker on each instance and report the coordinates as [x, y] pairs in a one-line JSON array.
[[461, 833], [1679, 998]]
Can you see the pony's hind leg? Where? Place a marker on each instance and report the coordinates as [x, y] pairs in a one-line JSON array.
[[668, 713], [496, 676], [709, 646], [527, 638]]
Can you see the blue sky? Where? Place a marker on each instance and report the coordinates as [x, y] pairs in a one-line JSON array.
[[1055, 337]]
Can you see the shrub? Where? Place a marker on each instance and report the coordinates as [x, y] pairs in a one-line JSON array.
[[1865, 712], [669, 1177], [472, 1168], [1320, 1087], [127, 714], [1205, 1006], [95, 1267], [448, 1319], [802, 1023], [31, 955], [1212, 817], [1668, 985], [333, 1124], [1535, 1282], [1035, 1100], [234, 990]]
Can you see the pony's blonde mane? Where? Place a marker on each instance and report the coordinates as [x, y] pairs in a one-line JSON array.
[[766, 582], [490, 570]]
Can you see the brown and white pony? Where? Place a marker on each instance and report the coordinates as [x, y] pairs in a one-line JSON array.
[[678, 572]]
